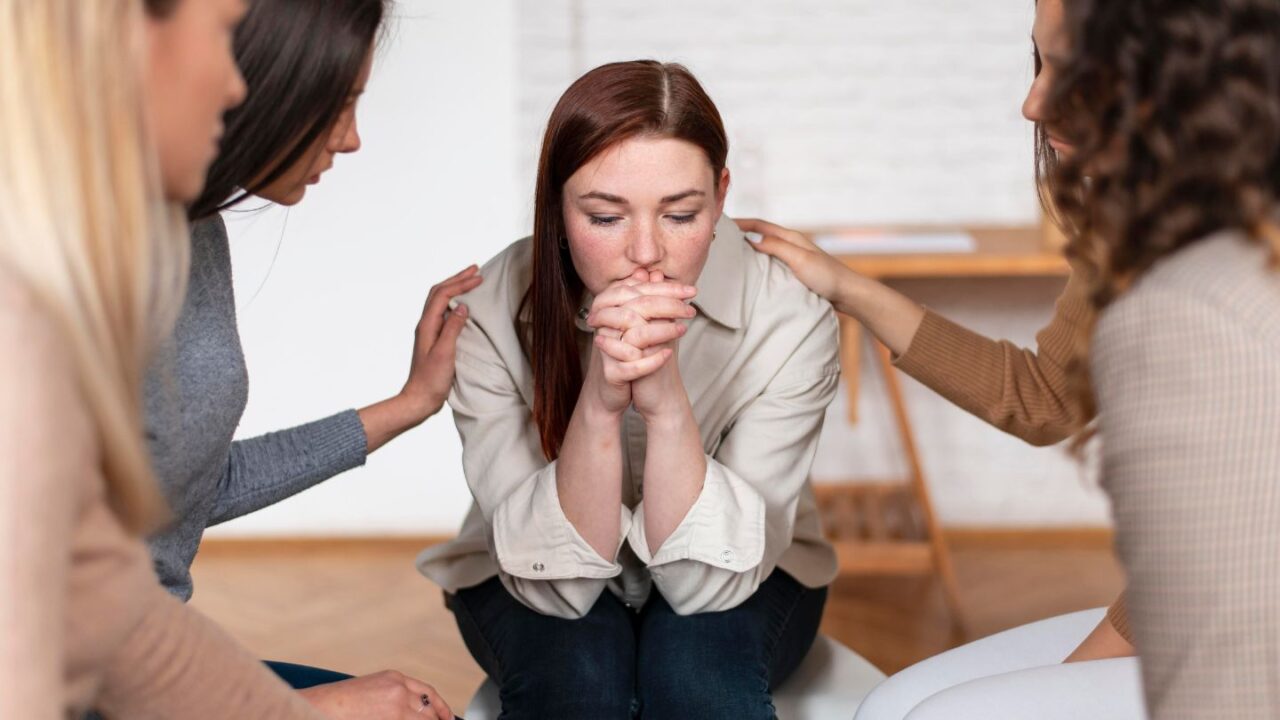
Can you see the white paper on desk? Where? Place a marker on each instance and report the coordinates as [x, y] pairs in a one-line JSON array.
[[896, 243]]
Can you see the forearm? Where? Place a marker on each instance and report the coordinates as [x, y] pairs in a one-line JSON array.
[[589, 476], [891, 316], [384, 421], [674, 470], [177, 663], [264, 470]]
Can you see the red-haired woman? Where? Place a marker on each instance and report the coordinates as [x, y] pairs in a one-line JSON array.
[[639, 396]]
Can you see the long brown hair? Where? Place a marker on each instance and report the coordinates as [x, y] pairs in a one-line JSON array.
[[608, 105], [1176, 114]]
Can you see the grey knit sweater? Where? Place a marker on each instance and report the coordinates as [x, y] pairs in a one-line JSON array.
[[196, 393]]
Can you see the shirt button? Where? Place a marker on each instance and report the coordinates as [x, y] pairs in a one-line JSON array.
[[726, 557], [539, 567]]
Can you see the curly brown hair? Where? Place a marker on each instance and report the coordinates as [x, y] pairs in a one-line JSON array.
[[1174, 106]]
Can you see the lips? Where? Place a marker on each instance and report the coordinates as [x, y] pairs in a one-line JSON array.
[[1059, 144], [316, 178]]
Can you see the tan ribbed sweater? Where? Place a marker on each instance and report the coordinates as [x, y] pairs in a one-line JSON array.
[[84, 621], [1019, 391]]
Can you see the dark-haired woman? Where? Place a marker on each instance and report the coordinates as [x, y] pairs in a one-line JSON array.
[[306, 63], [639, 396]]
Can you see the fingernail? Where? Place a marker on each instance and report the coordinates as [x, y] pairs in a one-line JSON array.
[[463, 310], [753, 237]]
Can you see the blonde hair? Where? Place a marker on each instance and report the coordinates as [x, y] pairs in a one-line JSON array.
[[82, 221]]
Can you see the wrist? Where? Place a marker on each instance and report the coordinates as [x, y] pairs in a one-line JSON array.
[[674, 415], [413, 407], [850, 296], [596, 410]]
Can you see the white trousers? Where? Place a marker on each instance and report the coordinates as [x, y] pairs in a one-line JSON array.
[[1017, 673]]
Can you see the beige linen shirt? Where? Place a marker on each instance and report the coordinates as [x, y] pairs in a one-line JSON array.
[[760, 366]]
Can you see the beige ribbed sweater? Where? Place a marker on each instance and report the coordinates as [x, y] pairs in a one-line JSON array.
[[84, 621], [1022, 392]]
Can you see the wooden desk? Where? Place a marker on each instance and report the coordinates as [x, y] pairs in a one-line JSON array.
[[1002, 252], [857, 516]]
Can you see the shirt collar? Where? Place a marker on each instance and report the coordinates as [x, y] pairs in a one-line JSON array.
[[723, 280]]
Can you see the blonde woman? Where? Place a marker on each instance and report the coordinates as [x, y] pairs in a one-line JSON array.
[[92, 261]]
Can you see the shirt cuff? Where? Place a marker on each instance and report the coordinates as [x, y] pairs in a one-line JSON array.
[[724, 528], [533, 539]]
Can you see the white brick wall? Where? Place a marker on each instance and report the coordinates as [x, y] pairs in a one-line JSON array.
[[837, 110], [858, 111]]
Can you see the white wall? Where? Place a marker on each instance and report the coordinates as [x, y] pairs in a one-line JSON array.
[[329, 324], [839, 111]]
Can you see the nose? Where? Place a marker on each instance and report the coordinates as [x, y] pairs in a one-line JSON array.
[[346, 136], [1033, 108], [644, 247]]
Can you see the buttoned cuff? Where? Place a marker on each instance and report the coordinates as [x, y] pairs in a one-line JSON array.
[[725, 527], [534, 540]]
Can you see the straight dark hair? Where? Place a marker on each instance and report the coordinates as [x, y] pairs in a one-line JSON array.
[[608, 105], [300, 60]]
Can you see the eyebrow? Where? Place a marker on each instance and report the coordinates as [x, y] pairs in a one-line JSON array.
[[597, 195]]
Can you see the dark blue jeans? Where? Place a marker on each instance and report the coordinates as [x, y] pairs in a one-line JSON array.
[[301, 677], [616, 664]]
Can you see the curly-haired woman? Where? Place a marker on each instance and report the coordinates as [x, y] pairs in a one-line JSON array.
[[1171, 113], [1179, 134]]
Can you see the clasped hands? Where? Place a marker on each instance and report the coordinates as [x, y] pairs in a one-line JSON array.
[[638, 322]]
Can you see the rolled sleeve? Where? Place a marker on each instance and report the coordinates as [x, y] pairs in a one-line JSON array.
[[715, 548], [544, 560]]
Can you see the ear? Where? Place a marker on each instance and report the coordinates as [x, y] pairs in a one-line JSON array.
[[722, 191]]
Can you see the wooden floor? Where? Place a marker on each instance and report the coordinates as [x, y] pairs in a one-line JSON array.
[[361, 606]]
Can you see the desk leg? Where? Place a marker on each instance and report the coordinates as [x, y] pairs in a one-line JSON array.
[[851, 363], [941, 554]]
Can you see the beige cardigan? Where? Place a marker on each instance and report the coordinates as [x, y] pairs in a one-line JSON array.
[[1186, 366], [84, 621]]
